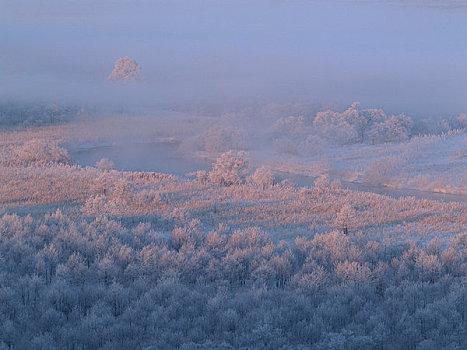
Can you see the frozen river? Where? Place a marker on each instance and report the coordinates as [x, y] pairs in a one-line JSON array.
[[304, 180], [156, 156], [163, 157]]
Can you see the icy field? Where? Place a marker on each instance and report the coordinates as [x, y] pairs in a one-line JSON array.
[[425, 163]]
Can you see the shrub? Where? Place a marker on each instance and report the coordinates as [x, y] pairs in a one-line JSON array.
[[230, 169], [42, 152]]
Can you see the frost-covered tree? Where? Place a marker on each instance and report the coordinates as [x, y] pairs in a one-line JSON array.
[[42, 152], [322, 184], [350, 126], [229, 169], [394, 129], [202, 176], [338, 127], [105, 164], [345, 218], [263, 177], [291, 135], [125, 69]]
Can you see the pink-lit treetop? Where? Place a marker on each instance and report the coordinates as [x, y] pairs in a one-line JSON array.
[[125, 69]]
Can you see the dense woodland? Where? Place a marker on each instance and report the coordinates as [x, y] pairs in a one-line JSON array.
[[228, 258], [93, 283]]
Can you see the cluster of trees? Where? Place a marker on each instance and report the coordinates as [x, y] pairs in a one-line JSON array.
[[393, 129], [70, 283], [299, 135], [439, 126], [311, 131], [308, 136], [351, 126], [14, 114], [42, 152], [294, 135]]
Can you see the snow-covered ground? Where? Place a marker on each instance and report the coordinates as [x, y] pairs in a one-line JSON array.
[[428, 164]]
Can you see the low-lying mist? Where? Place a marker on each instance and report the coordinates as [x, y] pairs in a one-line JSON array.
[[399, 56]]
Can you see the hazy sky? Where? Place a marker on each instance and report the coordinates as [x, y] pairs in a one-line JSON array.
[[404, 56]]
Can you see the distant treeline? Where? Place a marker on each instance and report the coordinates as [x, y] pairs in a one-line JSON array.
[[15, 114]]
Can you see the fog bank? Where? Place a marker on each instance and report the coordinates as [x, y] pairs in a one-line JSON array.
[[402, 57]]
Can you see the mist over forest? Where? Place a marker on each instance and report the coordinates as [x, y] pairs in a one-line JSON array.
[[233, 174], [403, 57]]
